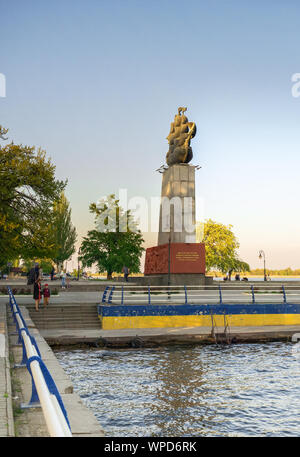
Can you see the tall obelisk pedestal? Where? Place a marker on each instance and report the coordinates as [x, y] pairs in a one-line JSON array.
[[177, 220], [177, 259]]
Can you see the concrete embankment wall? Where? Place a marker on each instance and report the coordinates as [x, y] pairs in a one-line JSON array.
[[198, 315], [31, 422]]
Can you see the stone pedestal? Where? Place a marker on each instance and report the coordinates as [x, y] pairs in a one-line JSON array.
[[177, 209], [177, 256]]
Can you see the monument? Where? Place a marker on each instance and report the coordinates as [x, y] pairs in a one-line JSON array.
[[177, 259]]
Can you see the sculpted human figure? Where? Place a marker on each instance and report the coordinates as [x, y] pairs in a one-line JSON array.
[[179, 138]]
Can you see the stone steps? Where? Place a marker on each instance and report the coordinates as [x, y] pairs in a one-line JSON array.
[[65, 316]]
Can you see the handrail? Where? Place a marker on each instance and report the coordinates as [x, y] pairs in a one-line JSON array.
[[44, 390], [231, 285], [120, 294]]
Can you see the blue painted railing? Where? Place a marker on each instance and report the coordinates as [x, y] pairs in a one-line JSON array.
[[57, 421], [116, 294]]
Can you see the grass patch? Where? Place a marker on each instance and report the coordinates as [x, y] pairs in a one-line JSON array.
[[267, 292]]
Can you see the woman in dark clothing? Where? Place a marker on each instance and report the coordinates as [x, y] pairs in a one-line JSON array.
[[37, 294], [37, 288]]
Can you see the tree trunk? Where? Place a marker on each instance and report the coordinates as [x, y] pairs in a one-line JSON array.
[[109, 275]]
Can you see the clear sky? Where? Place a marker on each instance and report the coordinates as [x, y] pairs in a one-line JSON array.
[[96, 84]]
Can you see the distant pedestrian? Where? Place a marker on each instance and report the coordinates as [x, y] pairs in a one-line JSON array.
[[63, 279], [68, 280], [46, 294], [52, 274], [126, 273]]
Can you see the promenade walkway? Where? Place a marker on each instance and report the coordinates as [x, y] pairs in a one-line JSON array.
[[6, 411]]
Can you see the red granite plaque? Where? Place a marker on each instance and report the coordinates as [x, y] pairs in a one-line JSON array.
[[184, 258]]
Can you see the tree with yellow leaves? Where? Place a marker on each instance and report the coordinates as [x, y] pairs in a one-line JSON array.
[[221, 247]]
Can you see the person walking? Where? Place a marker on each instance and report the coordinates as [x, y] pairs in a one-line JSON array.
[[126, 272], [52, 273], [63, 279], [37, 286], [37, 293]]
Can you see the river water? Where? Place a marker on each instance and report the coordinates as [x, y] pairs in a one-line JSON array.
[[236, 390]]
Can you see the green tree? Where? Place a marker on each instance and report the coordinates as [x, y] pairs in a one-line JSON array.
[[115, 242], [241, 266], [221, 247], [62, 231], [28, 188], [44, 264]]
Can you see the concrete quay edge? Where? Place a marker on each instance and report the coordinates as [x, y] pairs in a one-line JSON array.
[[83, 422], [155, 337]]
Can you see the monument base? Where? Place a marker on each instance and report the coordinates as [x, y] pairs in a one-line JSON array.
[[175, 258], [176, 263], [179, 279]]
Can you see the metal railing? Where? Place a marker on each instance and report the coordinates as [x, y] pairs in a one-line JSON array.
[[44, 390], [130, 295]]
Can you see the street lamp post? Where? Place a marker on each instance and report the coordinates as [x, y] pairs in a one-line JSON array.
[[171, 221], [262, 255], [79, 251]]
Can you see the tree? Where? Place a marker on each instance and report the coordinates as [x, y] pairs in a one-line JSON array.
[[44, 264], [28, 188], [221, 247], [115, 242], [63, 232]]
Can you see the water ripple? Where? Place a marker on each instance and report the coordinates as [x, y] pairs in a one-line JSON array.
[[238, 390]]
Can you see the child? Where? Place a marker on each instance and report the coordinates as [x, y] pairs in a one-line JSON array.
[[46, 293]]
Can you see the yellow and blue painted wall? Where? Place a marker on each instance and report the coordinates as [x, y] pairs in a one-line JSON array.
[[186, 315]]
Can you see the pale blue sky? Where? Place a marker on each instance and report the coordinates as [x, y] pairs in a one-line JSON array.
[[97, 83]]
